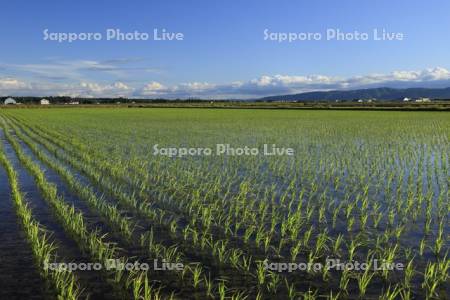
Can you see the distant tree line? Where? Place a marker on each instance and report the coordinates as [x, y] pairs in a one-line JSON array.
[[67, 100]]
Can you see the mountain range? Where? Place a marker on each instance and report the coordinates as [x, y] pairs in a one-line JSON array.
[[381, 94]]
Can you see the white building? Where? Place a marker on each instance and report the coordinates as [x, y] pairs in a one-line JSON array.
[[423, 100], [10, 101], [45, 102], [406, 99]]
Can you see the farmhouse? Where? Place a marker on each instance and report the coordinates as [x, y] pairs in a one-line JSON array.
[[10, 101], [45, 102], [423, 100], [406, 99]]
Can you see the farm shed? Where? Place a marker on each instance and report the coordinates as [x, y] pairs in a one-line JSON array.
[[10, 101]]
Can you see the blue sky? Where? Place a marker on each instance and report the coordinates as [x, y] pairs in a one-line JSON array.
[[223, 53]]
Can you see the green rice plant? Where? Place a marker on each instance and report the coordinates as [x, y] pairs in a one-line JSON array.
[[248, 233], [197, 273], [333, 296], [295, 250], [273, 282], [310, 295], [391, 293], [239, 296], [209, 285], [363, 221], [291, 291], [307, 236], [405, 293], [246, 263], [391, 217], [422, 246], [364, 279], [352, 248], [311, 260], [435, 274], [388, 255], [350, 223], [267, 241], [344, 280], [439, 242], [409, 273], [222, 289], [336, 212], [220, 249], [321, 242], [235, 257], [261, 273], [259, 296], [337, 244]]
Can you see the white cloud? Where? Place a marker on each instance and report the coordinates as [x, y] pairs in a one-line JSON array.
[[57, 69], [12, 84], [265, 85], [82, 89]]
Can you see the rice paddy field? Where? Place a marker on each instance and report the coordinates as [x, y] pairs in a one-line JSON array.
[[359, 211]]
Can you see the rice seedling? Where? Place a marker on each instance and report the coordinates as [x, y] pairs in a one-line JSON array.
[[391, 293], [364, 279]]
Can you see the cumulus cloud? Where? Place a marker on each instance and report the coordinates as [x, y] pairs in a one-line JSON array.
[[12, 84], [265, 85], [82, 89]]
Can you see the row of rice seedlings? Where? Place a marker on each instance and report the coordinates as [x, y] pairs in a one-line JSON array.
[[158, 250], [112, 189], [266, 239], [110, 213], [319, 243], [147, 241], [319, 247], [261, 231], [142, 210], [218, 247], [74, 224], [62, 282], [391, 222]]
